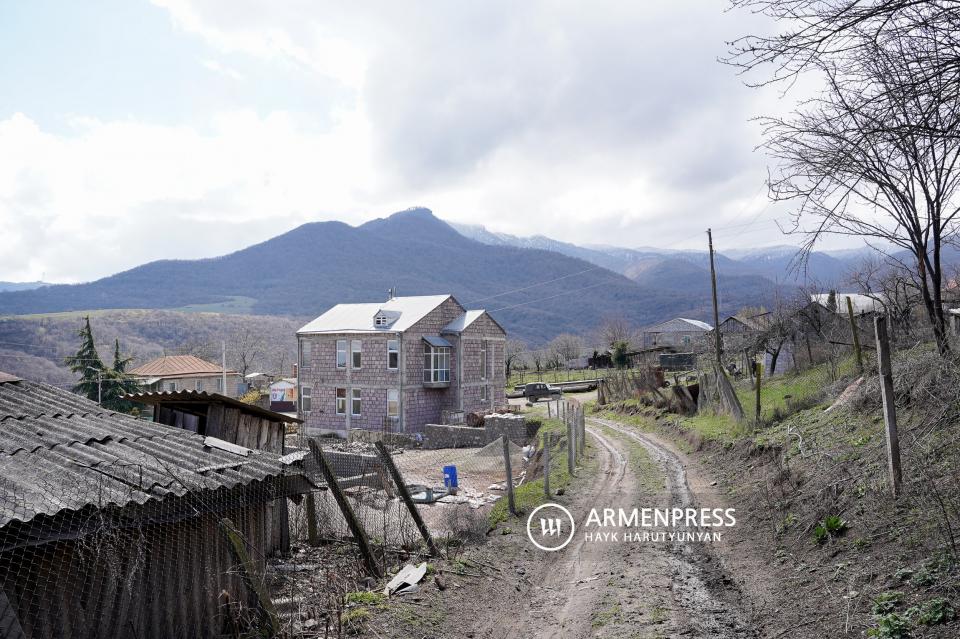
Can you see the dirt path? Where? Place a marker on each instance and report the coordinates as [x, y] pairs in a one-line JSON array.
[[617, 589], [625, 589]]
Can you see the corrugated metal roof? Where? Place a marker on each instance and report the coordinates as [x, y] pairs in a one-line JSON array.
[[178, 366], [59, 451], [458, 325], [358, 318], [201, 398], [861, 303], [434, 340], [679, 324]]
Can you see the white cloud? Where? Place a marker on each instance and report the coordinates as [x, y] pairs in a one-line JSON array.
[[602, 123]]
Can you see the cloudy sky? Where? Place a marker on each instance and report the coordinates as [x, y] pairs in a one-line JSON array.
[[132, 131]]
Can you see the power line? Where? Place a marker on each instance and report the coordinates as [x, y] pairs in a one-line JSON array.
[[550, 297], [524, 288]]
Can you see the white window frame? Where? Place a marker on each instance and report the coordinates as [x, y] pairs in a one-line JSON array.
[[484, 393], [304, 351], [436, 364], [172, 387], [340, 408], [356, 354], [356, 402], [393, 401], [306, 399], [380, 320], [483, 359], [393, 348], [341, 351], [198, 385], [219, 383]]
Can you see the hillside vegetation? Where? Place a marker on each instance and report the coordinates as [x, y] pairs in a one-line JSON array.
[[35, 347]]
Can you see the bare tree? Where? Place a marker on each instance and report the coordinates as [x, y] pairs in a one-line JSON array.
[[563, 348], [892, 286], [876, 154], [513, 354], [246, 346], [613, 329]]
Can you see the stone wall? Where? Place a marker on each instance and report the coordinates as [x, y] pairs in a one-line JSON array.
[[494, 427]]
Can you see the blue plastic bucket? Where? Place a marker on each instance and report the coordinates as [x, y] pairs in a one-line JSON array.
[[450, 476]]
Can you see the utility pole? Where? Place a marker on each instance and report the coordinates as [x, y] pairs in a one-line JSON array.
[[223, 367], [716, 312]]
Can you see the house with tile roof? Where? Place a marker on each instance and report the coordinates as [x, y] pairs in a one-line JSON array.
[[398, 365], [173, 373]]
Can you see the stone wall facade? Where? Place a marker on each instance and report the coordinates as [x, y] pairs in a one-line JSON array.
[[420, 404]]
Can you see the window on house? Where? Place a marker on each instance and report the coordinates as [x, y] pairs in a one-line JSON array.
[[355, 402], [198, 385], [380, 320], [686, 339], [393, 354], [219, 384], [483, 393], [393, 403], [483, 359], [341, 353], [172, 387], [304, 352], [356, 349], [305, 393], [341, 401], [436, 363]]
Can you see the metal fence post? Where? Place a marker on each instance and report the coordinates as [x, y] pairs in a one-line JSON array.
[[506, 462], [570, 448], [405, 496], [356, 528], [889, 406]]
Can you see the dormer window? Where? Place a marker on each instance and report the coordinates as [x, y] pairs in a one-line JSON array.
[[385, 318]]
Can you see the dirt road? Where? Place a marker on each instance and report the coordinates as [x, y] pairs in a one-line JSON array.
[[624, 589]]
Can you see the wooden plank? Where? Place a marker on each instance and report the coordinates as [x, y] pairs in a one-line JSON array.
[[248, 574], [405, 496], [546, 465], [356, 528]]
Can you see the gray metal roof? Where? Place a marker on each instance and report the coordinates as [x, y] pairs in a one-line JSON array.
[[358, 318], [62, 452], [678, 324], [204, 399]]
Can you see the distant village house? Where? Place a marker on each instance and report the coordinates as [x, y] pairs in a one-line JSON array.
[[680, 333], [173, 373]]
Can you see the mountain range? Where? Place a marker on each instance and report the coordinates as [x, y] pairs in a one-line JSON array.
[[537, 287]]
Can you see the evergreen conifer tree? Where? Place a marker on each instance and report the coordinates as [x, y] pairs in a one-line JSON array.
[[87, 363]]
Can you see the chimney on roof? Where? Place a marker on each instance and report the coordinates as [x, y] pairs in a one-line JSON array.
[[391, 293]]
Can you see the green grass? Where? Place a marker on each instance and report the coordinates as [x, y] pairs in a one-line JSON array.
[[235, 304], [530, 494], [553, 377]]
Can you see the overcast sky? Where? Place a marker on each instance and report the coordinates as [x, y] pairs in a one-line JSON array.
[[133, 131]]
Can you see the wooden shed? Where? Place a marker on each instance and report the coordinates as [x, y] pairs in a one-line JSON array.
[[219, 416], [114, 527]]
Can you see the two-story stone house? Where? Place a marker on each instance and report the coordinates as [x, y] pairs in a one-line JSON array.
[[398, 365]]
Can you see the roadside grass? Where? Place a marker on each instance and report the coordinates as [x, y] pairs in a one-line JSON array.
[[780, 397], [648, 472], [530, 494]]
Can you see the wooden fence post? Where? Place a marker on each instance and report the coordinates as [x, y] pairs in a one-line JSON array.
[[356, 528], [506, 462], [759, 378], [312, 537], [546, 465], [856, 336], [405, 496], [889, 406]]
